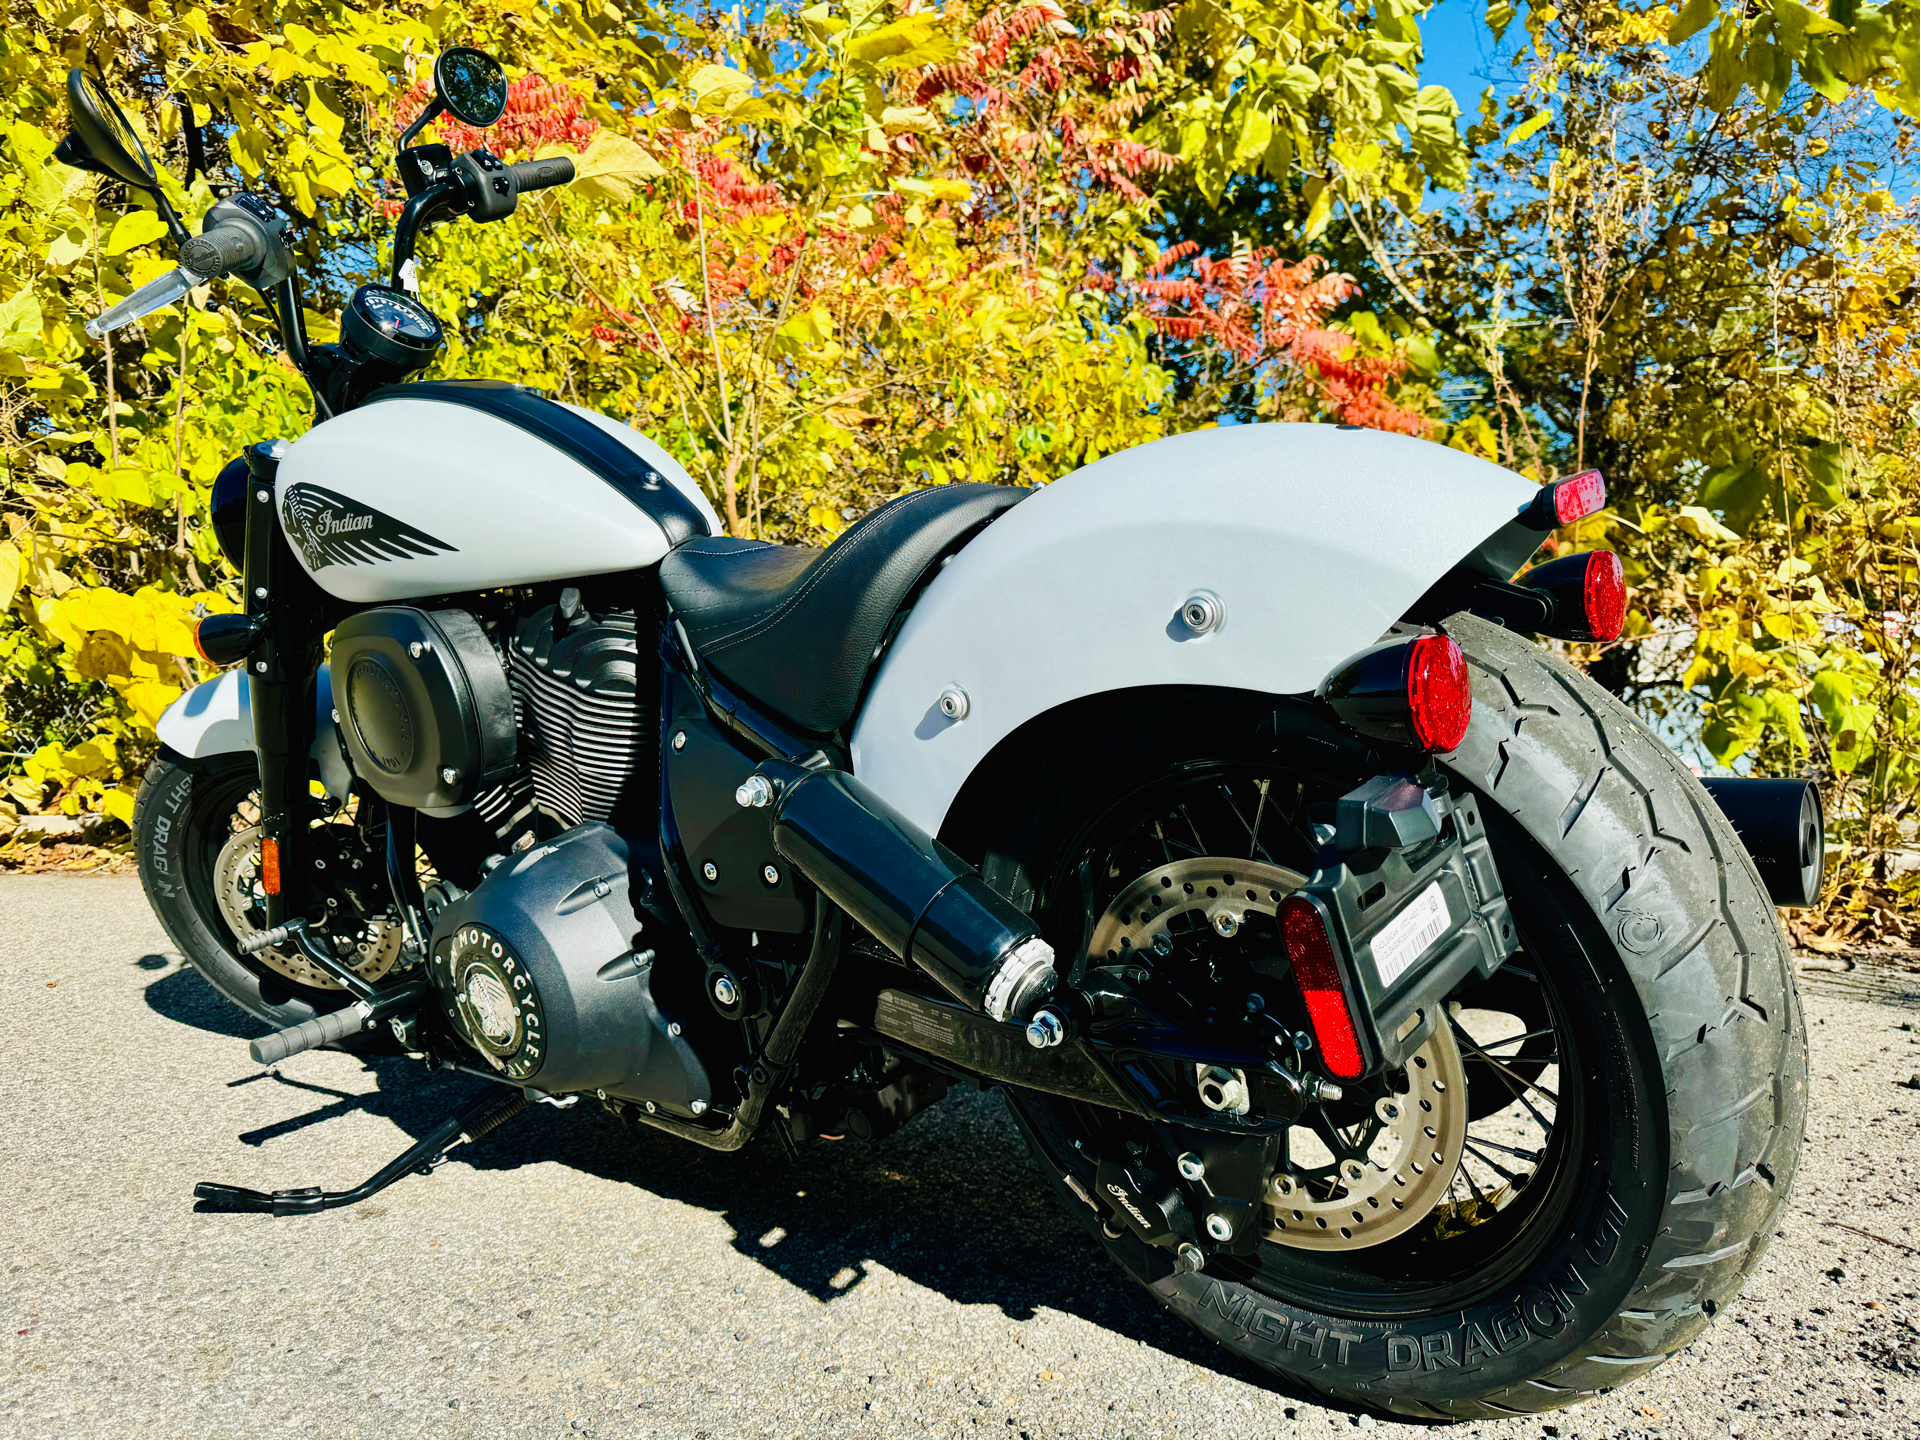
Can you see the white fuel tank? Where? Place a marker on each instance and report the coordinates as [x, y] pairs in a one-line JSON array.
[[460, 485]]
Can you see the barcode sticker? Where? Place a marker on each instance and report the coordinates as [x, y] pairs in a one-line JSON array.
[[1403, 940]]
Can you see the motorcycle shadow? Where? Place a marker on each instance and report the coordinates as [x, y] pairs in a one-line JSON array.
[[951, 1202]]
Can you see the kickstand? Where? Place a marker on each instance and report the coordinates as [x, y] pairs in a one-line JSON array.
[[489, 1113]]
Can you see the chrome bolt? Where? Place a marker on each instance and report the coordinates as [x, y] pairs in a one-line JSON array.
[[754, 792], [725, 991], [680, 740], [673, 1028], [1353, 1172], [1190, 1166], [711, 871], [263, 495], [416, 649], [1283, 1185], [651, 1107], [953, 703], [1203, 612], [1219, 1227], [260, 666], [260, 592], [770, 874], [449, 775], [1256, 1003], [1188, 1257], [601, 1095], [697, 1106], [319, 864], [1303, 1041], [1163, 944], [336, 715], [1388, 1110], [1046, 1029], [1226, 923]]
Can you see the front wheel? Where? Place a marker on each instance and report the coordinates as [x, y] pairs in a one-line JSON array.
[[1572, 1177]]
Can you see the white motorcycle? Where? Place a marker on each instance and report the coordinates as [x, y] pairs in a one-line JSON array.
[[1382, 995]]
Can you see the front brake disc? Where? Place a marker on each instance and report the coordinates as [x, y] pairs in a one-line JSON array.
[[369, 945]]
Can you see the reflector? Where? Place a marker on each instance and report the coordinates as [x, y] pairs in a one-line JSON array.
[[1589, 596], [1579, 496], [270, 865], [1319, 978]]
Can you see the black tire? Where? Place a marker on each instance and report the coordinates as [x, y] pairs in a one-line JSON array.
[[180, 820], [1681, 1004]]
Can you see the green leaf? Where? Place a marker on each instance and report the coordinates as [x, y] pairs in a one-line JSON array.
[[1694, 15], [716, 87], [135, 228], [20, 324]]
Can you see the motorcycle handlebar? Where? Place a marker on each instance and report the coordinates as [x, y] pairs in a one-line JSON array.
[[223, 248], [541, 174]]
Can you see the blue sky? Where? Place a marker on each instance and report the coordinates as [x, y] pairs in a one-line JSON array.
[[1460, 53]]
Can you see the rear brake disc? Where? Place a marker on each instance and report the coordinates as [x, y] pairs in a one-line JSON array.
[[1335, 1189]]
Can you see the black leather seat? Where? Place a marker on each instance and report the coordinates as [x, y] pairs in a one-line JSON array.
[[796, 629]]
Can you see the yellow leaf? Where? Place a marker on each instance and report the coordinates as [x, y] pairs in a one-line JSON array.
[[1529, 126], [716, 87], [118, 803], [612, 167], [1701, 524], [150, 699], [11, 567], [821, 19], [136, 227]]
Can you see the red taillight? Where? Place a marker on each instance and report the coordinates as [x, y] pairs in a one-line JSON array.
[[270, 866], [1579, 496], [1439, 700], [1604, 595], [1565, 501], [1588, 595], [1319, 978]]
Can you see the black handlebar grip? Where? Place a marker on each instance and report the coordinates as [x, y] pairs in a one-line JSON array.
[[224, 248], [320, 1031], [541, 174]]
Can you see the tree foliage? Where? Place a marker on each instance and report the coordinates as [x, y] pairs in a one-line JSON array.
[[832, 253]]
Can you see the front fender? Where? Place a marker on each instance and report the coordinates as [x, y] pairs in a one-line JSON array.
[[216, 718], [1313, 538]]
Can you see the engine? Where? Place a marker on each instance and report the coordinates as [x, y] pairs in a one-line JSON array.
[[545, 974], [559, 713], [588, 710]]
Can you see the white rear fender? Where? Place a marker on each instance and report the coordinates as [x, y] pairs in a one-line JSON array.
[[216, 718], [1310, 539]]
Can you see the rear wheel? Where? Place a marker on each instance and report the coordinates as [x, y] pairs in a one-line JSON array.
[[1569, 1180]]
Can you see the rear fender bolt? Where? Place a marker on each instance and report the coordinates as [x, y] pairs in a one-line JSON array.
[[1191, 1166], [1203, 612], [1219, 1227], [954, 703]]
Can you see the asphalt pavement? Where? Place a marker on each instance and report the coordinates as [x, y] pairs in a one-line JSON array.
[[563, 1278]]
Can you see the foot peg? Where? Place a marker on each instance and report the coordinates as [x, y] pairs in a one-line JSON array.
[[486, 1115]]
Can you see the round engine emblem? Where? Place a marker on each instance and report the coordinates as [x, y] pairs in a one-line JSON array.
[[382, 720], [490, 1000]]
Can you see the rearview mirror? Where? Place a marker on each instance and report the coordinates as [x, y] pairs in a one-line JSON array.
[[103, 139], [471, 86]]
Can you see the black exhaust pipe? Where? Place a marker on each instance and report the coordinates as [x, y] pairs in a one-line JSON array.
[[1780, 823], [919, 899]]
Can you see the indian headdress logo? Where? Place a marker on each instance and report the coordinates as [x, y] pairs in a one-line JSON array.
[[333, 530]]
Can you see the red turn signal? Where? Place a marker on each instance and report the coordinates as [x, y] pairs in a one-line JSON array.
[[1319, 978], [1412, 691], [1565, 501], [1589, 595]]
